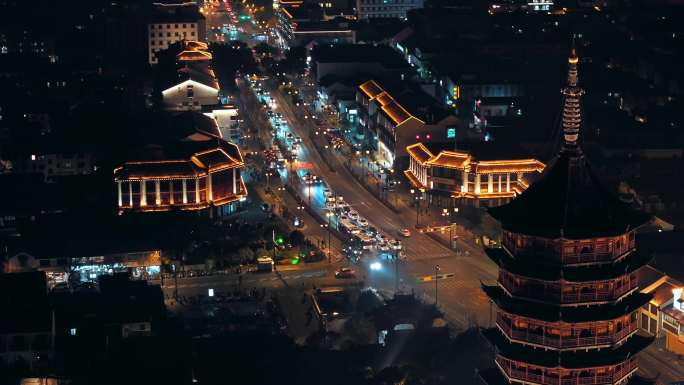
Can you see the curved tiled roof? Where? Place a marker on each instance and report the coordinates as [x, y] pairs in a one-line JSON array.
[[522, 165], [371, 89], [569, 200], [214, 156], [450, 159], [419, 152]]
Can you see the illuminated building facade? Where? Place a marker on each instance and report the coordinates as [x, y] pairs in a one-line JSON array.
[[367, 9], [171, 23], [567, 297], [467, 179], [389, 127], [210, 175], [194, 83]]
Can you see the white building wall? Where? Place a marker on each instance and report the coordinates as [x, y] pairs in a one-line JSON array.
[[189, 95], [386, 8], [161, 35]]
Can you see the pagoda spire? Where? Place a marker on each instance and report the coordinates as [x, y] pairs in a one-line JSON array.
[[572, 110]]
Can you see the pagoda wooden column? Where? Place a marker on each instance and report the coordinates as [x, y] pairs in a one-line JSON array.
[[508, 182], [477, 183], [171, 192], [197, 188], [185, 191], [490, 183], [130, 193], [464, 184], [157, 192], [118, 187], [234, 180], [499, 178], [210, 194]]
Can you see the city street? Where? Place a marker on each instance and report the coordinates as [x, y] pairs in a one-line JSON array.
[[459, 295]]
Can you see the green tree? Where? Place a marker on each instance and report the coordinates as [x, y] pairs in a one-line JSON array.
[[297, 238], [245, 254]]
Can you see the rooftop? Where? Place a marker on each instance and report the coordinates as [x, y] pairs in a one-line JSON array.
[[468, 155], [27, 308], [359, 53], [569, 200], [185, 160], [553, 313], [532, 267], [569, 359]]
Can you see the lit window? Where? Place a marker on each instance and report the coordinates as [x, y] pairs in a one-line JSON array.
[[72, 331]]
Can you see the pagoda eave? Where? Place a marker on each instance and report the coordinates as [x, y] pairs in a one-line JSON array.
[[536, 269], [552, 313], [565, 359]]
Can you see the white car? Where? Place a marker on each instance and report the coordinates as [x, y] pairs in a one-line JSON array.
[[353, 214], [395, 244], [362, 222], [382, 237], [329, 204], [383, 246]]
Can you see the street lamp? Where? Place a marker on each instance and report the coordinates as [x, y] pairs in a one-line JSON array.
[[417, 196], [329, 215], [449, 215], [268, 180], [436, 271]]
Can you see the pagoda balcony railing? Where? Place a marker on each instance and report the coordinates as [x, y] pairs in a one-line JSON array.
[[552, 292], [555, 379], [568, 251], [569, 342], [591, 257]]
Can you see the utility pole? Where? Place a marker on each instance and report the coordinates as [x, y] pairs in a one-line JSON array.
[[436, 270], [396, 272]]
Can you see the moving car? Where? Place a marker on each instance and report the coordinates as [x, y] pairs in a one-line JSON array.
[[383, 246], [345, 272], [405, 233], [362, 222], [353, 214]]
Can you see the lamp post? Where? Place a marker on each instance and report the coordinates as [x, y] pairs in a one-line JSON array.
[[397, 249], [268, 180], [417, 196], [329, 215], [449, 214], [436, 271]]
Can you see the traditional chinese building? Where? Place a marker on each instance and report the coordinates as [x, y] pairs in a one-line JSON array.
[[192, 169], [567, 298], [486, 181]]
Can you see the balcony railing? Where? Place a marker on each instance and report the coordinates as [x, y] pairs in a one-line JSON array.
[[553, 291], [553, 378], [590, 257], [558, 342], [598, 253]]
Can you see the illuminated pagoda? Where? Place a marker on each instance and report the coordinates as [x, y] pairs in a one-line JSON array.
[[567, 296]]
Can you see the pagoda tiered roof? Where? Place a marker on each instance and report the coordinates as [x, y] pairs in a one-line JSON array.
[[554, 313], [533, 267], [566, 359], [569, 201], [493, 376]]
